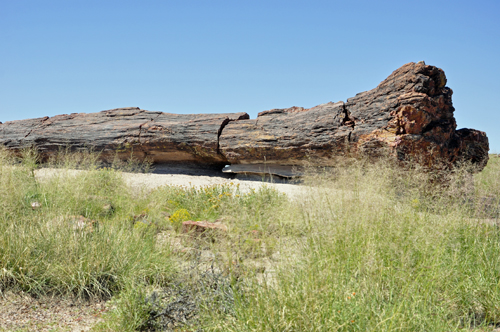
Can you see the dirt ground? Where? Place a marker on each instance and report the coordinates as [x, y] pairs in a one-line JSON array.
[[24, 313]]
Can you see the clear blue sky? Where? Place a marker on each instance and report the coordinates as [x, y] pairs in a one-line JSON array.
[[210, 56]]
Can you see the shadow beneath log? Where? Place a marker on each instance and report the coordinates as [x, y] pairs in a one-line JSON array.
[[254, 172], [191, 169]]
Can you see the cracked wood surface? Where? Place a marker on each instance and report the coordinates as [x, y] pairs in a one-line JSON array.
[[125, 132], [409, 114]]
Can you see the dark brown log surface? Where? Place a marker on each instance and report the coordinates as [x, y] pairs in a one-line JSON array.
[[410, 114], [161, 137]]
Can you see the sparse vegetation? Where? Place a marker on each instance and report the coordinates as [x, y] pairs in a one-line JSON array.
[[367, 247]]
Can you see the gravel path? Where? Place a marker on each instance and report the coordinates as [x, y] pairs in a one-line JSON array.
[[191, 178], [157, 180]]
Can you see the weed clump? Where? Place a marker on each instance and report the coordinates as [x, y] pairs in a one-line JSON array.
[[178, 217]]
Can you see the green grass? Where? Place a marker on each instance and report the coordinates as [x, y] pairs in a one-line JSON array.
[[383, 252], [43, 251], [367, 247]]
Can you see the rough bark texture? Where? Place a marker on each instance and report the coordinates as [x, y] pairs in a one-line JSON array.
[[161, 137], [410, 114]]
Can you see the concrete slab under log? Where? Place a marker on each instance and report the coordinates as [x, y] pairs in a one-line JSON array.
[[265, 169]]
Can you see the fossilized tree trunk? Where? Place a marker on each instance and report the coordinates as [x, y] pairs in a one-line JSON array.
[[125, 132], [410, 114]]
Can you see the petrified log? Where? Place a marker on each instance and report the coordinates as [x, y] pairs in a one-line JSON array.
[[410, 114], [125, 132]]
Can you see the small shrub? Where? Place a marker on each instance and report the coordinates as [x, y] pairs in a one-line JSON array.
[[178, 217]]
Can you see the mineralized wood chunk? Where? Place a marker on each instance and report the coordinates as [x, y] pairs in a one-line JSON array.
[[410, 114], [287, 136], [125, 132]]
